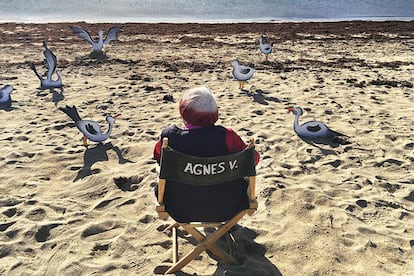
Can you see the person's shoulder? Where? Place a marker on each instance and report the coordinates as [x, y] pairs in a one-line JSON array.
[[219, 127], [230, 131], [170, 129], [227, 130]]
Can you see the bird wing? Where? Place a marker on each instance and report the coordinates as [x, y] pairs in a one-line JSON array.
[[112, 34], [5, 93], [7, 89], [83, 34], [267, 48], [91, 128], [245, 70], [50, 60], [313, 128]]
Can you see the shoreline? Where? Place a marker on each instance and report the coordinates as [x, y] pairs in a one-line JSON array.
[[282, 30]]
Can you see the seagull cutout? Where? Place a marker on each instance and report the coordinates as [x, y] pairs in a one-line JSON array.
[[51, 62], [90, 129], [241, 73], [5, 98], [316, 132], [98, 45], [265, 48]]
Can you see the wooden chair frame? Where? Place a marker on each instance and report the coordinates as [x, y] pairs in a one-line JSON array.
[[204, 242]]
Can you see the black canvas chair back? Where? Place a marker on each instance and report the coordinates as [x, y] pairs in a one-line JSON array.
[[206, 188], [204, 171]]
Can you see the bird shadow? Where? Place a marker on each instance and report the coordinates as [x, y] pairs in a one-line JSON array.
[[259, 96], [57, 96], [276, 66], [98, 55], [331, 143], [7, 106], [97, 154]]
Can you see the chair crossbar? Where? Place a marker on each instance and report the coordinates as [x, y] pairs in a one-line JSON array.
[[207, 243]]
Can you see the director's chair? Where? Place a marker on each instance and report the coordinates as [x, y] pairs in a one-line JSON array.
[[219, 197]]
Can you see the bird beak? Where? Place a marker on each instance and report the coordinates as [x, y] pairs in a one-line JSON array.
[[290, 109], [116, 116]]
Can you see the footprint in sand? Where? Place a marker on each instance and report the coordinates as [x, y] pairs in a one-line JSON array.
[[147, 219], [128, 202], [410, 197], [36, 214], [104, 203], [10, 212], [43, 233], [102, 231], [4, 251], [362, 203], [5, 226], [8, 202], [100, 248], [128, 183]]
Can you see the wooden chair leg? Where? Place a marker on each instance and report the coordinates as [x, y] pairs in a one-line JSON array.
[[217, 251], [206, 243], [229, 243], [175, 245]]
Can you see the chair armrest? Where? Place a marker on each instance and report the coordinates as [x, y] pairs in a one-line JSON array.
[[162, 214], [252, 207]]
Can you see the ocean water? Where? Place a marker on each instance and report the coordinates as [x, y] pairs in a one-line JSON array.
[[30, 11]]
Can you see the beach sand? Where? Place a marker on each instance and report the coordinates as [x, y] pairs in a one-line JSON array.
[[70, 210]]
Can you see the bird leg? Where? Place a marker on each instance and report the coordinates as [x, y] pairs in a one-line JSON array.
[[267, 57], [85, 142], [241, 84]]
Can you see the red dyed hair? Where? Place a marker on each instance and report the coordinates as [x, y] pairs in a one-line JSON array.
[[198, 107]]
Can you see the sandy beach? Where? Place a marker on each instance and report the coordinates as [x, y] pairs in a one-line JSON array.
[[349, 210]]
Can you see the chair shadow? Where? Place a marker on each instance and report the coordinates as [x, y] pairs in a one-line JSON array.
[[97, 154], [249, 254]]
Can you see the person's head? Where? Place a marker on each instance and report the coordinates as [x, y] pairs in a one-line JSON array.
[[198, 107]]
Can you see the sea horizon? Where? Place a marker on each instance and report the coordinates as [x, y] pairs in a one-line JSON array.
[[222, 21], [210, 11]]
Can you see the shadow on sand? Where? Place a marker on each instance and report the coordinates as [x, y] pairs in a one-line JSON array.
[[57, 96], [249, 254], [97, 154], [7, 106], [331, 143], [259, 96]]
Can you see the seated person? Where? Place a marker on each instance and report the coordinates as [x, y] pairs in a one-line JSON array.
[[201, 137]]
